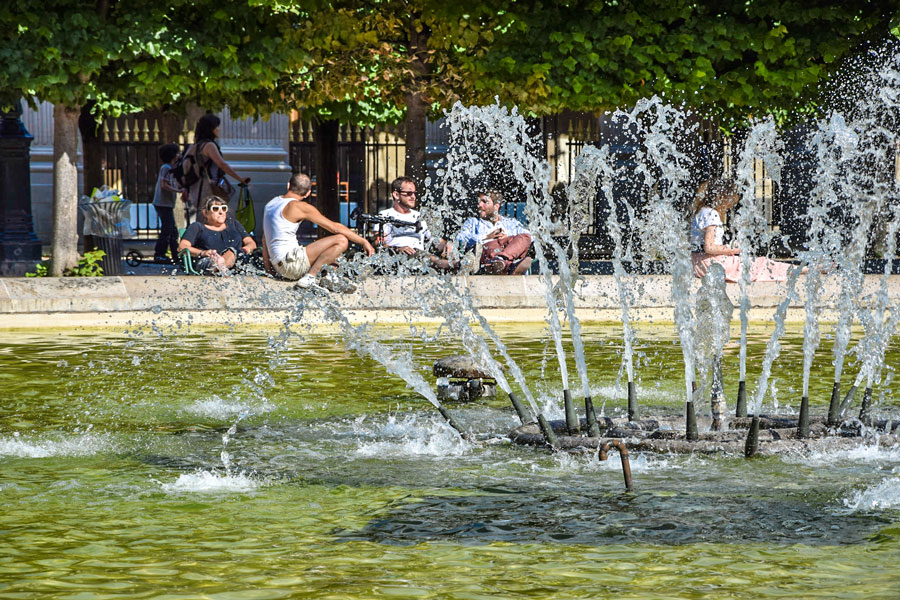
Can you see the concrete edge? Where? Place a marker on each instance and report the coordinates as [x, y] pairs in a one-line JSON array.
[[34, 303]]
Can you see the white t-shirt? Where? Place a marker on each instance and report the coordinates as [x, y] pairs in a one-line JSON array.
[[396, 236], [704, 218]]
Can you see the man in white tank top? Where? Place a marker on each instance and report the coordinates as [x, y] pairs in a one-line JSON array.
[[284, 254]]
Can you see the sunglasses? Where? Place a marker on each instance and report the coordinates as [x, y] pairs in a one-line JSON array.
[[408, 193], [218, 207]]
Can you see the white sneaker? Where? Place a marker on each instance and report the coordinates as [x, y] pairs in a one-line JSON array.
[[335, 283], [305, 282]]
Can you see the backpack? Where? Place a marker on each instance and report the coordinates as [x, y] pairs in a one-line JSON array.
[[188, 171]]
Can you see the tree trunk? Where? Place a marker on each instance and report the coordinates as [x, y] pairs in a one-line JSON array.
[[64, 244], [170, 125], [193, 113], [416, 104], [416, 120], [327, 199], [91, 149]]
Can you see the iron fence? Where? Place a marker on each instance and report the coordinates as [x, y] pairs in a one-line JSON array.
[[131, 165]]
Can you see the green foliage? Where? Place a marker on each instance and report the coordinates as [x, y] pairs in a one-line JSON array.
[[88, 266], [733, 58], [40, 270], [362, 60]]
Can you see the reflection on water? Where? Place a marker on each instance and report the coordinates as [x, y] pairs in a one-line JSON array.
[[341, 481]]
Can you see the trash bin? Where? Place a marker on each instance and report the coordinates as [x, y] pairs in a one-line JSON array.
[[106, 218], [111, 263]]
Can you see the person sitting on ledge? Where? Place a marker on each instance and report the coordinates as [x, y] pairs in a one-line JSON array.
[[410, 240], [282, 251], [713, 199], [504, 241], [218, 243]]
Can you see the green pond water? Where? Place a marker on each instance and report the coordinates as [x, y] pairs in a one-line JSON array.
[[245, 464]]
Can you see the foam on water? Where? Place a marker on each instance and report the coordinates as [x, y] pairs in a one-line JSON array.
[[412, 438], [882, 496], [21, 446], [862, 453], [220, 408], [203, 481]]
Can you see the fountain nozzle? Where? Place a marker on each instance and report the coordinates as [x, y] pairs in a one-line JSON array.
[[623, 454]]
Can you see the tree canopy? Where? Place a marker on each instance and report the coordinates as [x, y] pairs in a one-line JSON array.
[[733, 57]]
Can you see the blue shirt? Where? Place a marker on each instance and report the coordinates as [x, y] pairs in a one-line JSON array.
[[474, 229]]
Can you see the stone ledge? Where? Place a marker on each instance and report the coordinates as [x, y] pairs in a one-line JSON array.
[[52, 302]]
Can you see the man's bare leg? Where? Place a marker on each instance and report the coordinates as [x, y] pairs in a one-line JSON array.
[[522, 266], [325, 252]]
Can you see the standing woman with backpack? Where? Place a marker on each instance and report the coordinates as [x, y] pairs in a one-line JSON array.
[[206, 154]]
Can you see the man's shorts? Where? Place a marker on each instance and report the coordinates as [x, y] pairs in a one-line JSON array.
[[294, 265]]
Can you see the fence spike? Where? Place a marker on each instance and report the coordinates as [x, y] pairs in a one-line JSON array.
[[115, 130], [105, 126], [145, 132], [187, 133]]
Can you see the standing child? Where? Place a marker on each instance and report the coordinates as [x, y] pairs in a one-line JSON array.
[[164, 203]]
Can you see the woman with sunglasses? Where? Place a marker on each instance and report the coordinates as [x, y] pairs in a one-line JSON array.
[[218, 243]]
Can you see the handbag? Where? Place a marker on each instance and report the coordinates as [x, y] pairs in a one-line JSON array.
[[222, 188], [244, 213]]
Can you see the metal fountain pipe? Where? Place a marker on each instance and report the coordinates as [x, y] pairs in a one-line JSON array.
[[591, 417], [691, 433], [751, 447], [571, 416], [741, 409], [632, 402], [865, 412], [450, 421], [848, 399], [803, 421], [834, 407], [623, 454], [547, 430], [519, 408]]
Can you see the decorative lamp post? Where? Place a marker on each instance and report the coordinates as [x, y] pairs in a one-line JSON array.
[[20, 248]]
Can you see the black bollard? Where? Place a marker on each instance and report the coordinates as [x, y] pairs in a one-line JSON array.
[[547, 431], [803, 423], [752, 444], [591, 417], [520, 410], [848, 400], [835, 405], [691, 433], [741, 410], [446, 414], [571, 416], [632, 402], [865, 413]]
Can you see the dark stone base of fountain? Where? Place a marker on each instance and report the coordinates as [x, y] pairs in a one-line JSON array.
[[777, 434]]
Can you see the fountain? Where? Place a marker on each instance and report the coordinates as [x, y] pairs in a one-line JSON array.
[[239, 461]]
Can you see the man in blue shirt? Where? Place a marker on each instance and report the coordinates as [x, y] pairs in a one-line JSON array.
[[505, 242]]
